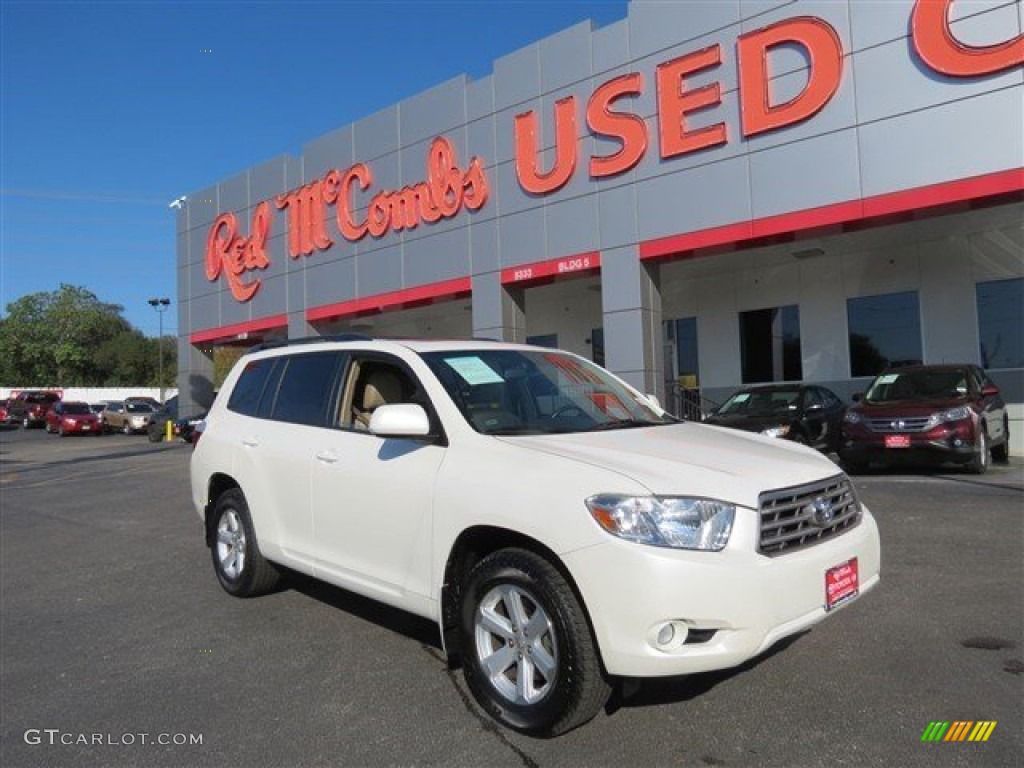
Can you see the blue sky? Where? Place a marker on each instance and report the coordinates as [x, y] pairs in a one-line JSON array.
[[110, 110]]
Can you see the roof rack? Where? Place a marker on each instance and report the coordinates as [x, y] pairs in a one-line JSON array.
[[276, 343]]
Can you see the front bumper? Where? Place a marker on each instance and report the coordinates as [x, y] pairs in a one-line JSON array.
[[946, 442], [746, 601]]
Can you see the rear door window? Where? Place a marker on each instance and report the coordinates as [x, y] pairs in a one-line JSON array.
[[308, 388]]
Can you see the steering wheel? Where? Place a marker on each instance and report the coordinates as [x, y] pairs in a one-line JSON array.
[[568, 408]]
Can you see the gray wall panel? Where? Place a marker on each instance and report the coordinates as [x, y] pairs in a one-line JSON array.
[[479, 98], [182, 287], [329, 283], [233, 193], [517, 77], [271, 298], [565, 58], [181, 249], [376, 135], [654, 26], [617, 216], [414, 158], [480, 142], [928, 147], [834, 13], [379, 271], [202, 207], [753, 11], [442, 256], [269, 179], [891, 84], [508, 196], [609, 48], [703, 197], [296, 285], [806, 174], [433, 112], [875, 23], [232, 311], [571, 226], [204, 312], [621, 288], [197, 247], [522, 238], [484, 249], [332, 150], [504, 123]]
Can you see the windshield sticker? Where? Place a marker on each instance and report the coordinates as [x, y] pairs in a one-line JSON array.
[[889, 378], [741, 398], [474, 370], [609, 404]]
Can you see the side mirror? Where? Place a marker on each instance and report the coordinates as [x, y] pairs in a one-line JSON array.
[[989, 390], [813, 407], [857, 397], [400, 420]]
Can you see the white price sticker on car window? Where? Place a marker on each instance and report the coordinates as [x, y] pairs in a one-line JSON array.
[[741, 398], [474, 370], [889, 378]]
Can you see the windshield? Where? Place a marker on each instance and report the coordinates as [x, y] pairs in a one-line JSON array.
[[761, 403], [76, 408], [138, 407], [521, 392], [918, 385]]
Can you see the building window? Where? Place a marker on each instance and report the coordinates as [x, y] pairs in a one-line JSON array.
[[884, 330], [683, 335], [597, 346], [549, 340], [770, 345], [1001, 323]]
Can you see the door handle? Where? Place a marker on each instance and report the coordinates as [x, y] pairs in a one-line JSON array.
[[327, 457], [250, 442]]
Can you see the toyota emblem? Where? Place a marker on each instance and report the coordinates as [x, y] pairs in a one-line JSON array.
[[822, 512]]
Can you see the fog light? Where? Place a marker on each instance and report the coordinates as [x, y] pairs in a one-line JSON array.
[[669, 636], [665, 634]]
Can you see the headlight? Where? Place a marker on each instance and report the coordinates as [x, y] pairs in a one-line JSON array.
[[775, 431], [959, 413], [853, 417], [677, 522]]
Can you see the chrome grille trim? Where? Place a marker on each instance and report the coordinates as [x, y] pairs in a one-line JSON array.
[[909, 424], [787, 515]]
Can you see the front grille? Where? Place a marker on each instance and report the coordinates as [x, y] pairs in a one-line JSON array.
[[794, 518], [899, 424]]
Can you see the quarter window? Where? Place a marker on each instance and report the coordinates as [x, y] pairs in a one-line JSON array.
[[770, 344], [1001, 323], [245, 397], [883, 331]]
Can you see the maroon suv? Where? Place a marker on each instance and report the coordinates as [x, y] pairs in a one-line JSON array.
[[927, 413], [30, 406]]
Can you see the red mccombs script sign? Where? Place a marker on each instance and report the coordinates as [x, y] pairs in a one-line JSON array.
[[448, 188]]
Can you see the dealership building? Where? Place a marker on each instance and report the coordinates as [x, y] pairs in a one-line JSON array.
[[697, 196]]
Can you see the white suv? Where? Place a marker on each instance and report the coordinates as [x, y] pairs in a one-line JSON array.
[[559, 526]]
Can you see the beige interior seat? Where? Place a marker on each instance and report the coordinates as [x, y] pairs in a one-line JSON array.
[[383, 387]]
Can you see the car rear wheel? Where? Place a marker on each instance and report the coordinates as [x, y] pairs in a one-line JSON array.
[[979, 463], [240, 568], [529, 657]]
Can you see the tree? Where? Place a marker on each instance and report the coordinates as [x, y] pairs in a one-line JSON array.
[[69, 337]]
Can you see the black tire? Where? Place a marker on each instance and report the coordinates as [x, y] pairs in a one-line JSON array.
[[575, 691], [854, 466], [61, 432], [255, 575], [154, 435], [979, 463], [25, 423], [126, 428], [1001, 452]]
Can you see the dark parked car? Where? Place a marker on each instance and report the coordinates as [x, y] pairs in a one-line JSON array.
[[73, 418], [932, 413], [804, 413], [183, 427], [29, 408]]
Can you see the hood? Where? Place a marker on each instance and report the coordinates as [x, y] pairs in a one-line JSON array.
[[689, 459], [750, 423], [915, 407]]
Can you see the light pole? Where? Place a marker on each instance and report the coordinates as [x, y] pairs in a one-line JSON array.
[[160, 305]]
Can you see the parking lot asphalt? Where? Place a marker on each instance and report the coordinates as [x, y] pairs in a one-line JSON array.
[[116, 637]]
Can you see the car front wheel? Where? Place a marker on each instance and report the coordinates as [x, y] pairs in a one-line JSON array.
[[979, 463], [240, 568], [529, 657]]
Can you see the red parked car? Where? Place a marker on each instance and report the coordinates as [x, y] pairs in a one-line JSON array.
[[73, 418], [932, 413]]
